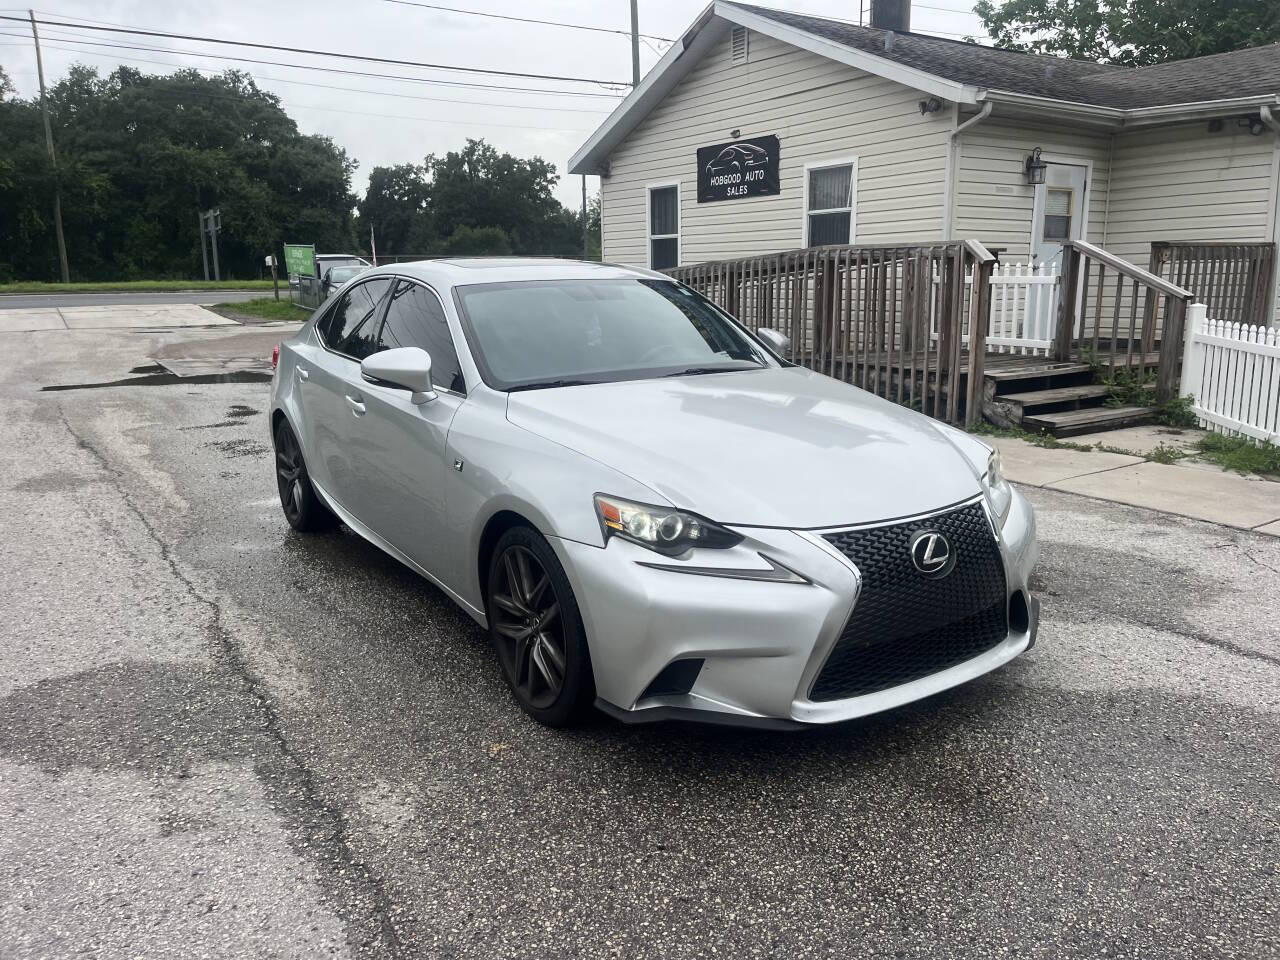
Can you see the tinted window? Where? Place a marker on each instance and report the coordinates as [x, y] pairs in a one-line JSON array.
[[536, 332], [351, 326], [416, 319]]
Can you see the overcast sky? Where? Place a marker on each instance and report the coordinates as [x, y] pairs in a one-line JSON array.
[[381, 121]]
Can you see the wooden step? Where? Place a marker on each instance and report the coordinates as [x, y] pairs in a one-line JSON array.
[[1048, 398], [1037, 372], [1071, 423]]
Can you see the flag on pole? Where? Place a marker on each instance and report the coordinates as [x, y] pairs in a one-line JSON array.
[[372, 247]]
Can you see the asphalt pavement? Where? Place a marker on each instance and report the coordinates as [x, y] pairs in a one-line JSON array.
[[219, 737], [43, 301]]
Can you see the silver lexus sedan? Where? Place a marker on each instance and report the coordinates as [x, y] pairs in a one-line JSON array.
[[648, 507]]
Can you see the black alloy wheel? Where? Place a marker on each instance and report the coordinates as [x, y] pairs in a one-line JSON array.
[[302, 508], [536, 628]]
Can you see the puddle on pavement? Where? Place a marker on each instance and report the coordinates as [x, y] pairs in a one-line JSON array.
[[156, 376]]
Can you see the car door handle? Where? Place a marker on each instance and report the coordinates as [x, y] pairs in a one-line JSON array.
[[303, 373], [357, 405]]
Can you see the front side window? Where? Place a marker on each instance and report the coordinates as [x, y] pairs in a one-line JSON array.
[[664, 227], [351, 327], [561, 332], [829, 215], [415, 318]]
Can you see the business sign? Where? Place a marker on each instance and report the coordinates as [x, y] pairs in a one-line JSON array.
[[743, 168], [300, 259]]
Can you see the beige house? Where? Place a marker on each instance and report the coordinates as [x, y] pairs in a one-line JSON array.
[[887, 136]]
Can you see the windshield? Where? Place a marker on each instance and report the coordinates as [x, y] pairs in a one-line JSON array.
[[561, 332]]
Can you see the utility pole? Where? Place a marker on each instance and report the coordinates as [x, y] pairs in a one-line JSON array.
[[586, 246], [204, 250], [215, 222], [53, 157], [635, 45]]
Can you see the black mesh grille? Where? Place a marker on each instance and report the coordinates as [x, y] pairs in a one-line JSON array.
[[906, 626]]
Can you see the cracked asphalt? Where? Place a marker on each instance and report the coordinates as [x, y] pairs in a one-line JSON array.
[[220, 738]]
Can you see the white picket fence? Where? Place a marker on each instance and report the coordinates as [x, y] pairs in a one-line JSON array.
[[1024, 308], [1233, 371]]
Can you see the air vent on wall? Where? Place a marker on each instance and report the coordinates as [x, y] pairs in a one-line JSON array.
[[738, 44]]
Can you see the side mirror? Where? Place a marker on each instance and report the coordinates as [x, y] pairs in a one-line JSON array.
[[405, 367], [779, 343]]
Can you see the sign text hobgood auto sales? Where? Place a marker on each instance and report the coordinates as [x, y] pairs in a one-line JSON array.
[[743, 168]]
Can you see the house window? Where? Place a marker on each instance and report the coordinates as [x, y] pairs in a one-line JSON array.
[[738, 44], [829, 201], [1057, 213], [664, 226]]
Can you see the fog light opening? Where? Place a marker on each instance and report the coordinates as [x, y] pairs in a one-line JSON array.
[[1019, 614], [674, 679]]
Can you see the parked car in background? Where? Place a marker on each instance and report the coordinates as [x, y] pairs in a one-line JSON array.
[[648, 506], [335, 277]]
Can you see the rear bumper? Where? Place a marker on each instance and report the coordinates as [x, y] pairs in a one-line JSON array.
[[762, 642]]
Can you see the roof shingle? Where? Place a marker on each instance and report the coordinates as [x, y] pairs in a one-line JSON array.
[[1223, 76]]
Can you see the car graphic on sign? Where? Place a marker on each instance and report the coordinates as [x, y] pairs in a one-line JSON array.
[[739, 157]]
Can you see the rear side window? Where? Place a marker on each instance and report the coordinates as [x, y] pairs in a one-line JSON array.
[[351, 327], [415, 318]]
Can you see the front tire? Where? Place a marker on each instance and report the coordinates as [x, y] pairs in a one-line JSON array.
[[302, 507], [536, 629]]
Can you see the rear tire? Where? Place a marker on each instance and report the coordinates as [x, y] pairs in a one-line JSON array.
[[536, 629], [302, 507]]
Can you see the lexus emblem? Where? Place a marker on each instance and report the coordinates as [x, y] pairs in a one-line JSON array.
[[931, 554]]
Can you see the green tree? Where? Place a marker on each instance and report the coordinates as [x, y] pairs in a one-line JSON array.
[[397, 204], [139, 155], [1133, 32]]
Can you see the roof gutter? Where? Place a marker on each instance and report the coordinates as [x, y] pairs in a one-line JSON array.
[[1118, 118]]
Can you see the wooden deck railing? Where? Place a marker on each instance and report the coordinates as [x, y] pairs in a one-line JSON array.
[[1121, 315], [864, 314], [1234, 280]]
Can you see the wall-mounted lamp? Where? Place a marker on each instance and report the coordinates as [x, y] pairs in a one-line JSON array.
[[932, 105], [735, 134], [1035, 167]]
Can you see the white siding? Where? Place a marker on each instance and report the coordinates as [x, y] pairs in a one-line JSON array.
[[1184, 183], [820, 110], [993, 201]]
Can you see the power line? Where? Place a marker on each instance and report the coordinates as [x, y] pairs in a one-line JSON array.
[[503, 16], [57, 41], [337, 70], [318, 53]]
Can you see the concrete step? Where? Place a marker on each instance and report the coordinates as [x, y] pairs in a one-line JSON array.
[[1071, 423]]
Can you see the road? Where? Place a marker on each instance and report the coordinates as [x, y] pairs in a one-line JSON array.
[[44, 301], [222, 738]]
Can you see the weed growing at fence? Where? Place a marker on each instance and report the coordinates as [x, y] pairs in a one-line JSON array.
[[1240, 454], [1178, 412]]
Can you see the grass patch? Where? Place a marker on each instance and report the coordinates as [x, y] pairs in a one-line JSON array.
[[268, 308], [133, 286], [1240, 454]]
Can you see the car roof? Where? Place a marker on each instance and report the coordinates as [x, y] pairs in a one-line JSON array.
[[464, 271]]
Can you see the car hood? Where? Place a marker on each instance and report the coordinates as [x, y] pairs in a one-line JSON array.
[[782, 447]]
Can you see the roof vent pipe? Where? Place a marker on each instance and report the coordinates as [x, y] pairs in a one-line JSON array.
[[891, 15]]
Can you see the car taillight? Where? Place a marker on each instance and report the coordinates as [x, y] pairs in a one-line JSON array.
[[275, 356]]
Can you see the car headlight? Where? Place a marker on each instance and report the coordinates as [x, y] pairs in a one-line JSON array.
[[663, 529], [998, 489]]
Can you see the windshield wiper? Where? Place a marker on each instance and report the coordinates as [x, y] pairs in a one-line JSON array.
[[544, 384], [694, 371]]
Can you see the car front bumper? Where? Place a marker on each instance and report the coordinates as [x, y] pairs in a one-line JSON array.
[[763, 628]]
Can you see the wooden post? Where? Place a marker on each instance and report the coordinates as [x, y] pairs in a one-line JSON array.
[[53, 158], [979, 322], [1067, 302], [1171, 350]]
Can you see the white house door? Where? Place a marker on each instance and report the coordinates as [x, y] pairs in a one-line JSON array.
[[1059, 212]]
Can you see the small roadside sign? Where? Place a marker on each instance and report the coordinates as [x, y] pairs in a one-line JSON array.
[[300, 258]]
